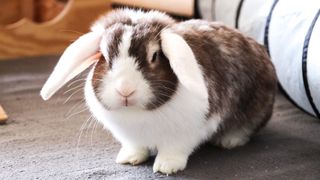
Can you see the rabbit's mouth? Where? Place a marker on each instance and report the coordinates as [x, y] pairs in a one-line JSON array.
[[128, 101]]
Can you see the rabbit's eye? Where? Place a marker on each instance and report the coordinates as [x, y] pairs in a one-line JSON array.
[[154, 57]]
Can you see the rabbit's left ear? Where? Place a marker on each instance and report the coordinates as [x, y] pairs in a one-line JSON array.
[[75, 59], [183, 63]]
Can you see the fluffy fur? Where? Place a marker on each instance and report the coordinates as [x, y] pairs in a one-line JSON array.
[[168, 87]]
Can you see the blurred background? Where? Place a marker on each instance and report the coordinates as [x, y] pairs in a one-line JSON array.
[[43, 27], [46, 27]]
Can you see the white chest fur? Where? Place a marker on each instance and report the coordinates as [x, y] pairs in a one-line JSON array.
[[181, 120]]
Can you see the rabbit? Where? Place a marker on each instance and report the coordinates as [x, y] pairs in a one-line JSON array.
[[167, 87]]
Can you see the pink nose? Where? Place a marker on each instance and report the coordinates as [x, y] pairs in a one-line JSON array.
[[125, 91]]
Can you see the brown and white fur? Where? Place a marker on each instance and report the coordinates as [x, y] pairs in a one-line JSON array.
[[161, 85]]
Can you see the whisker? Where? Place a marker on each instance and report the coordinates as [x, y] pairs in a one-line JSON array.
[[77, 113], [77, 80], [77, 105], [164, 87], [80, 135], [81, 80], [164, 95], [164, 81], [75, 92], [89, 125], [93, 129], [167, 88], [85, 122], [76, 87]]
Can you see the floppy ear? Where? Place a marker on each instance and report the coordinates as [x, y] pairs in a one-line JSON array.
[[75, 59], [183, 63]]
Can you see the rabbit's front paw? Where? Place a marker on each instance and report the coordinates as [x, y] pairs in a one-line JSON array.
[[132, 156], [169, 164]]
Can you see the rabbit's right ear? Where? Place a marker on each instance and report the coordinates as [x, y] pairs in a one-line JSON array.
[[76, 58]]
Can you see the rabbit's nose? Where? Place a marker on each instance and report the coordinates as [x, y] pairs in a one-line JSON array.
[[125, 87], [125, 92]]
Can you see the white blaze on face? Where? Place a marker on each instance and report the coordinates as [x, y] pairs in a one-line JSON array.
[[124, 84]]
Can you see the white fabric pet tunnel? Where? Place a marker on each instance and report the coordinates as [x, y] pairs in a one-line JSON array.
[[290, 30]]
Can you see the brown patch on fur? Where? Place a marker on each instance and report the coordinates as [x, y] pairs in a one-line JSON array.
[[163, 81], [113, 46], [159, 74], [99, 71], [240, 77]]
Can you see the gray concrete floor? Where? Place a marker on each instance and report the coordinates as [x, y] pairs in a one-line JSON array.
[[43, 140]]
